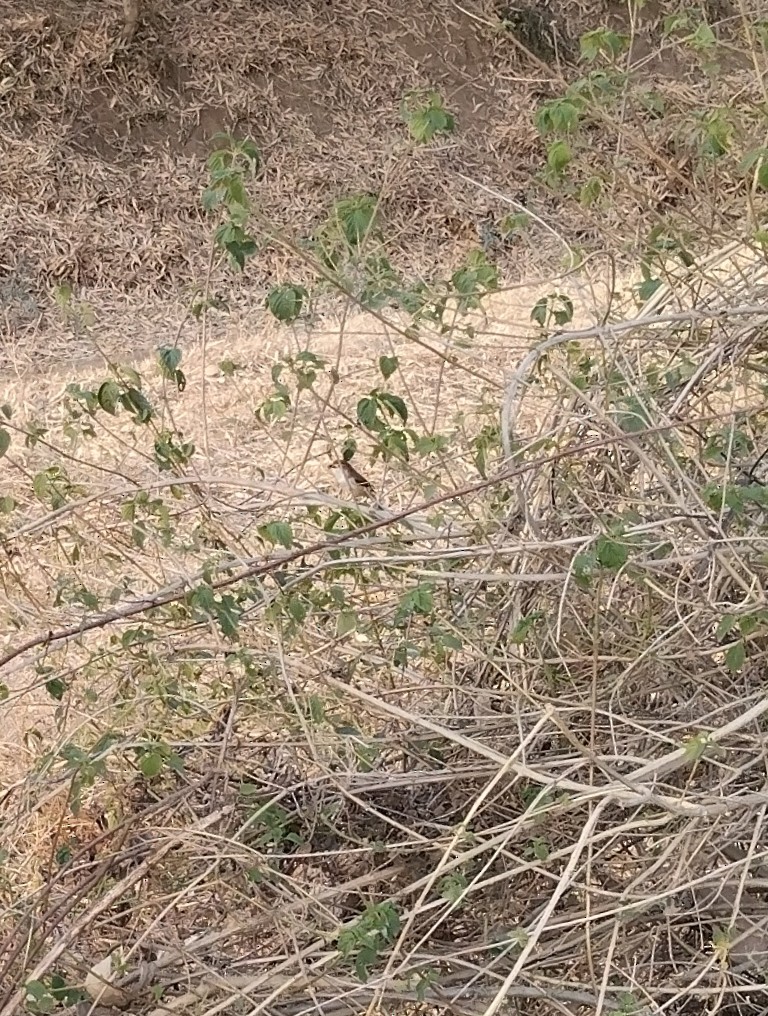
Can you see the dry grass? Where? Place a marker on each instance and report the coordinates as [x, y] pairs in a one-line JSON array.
[[103, 146], [506, 731], [591, 794]]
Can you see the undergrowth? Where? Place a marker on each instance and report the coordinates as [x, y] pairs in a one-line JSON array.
[[484, 734]]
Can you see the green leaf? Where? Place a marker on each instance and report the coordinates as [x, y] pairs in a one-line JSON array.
[[632, 415], [63, 857], [56, 688], [368, 412], [394, 444], [562, 310], [346, 622], [297, 609], [136, 402], [403, 653], [653, 103], [703, 38], [452, 886], [539, 312], [169, 358], [388, 365], [716, 134], [212, 198], [477, 277], [389, 913], [750, 159], [610, 553], [514, 223], [277, 533], [449, 641], [365, 959], [559, 116], [356, 216], [150, 764], [228, 614], [590, 191], [62, 294], [695, 746], [38, 996], [286, 302], [229, 367], [749, 624], [417, 601], [675, 22], [108, 397], [5, 441], [274, 408], [430, 119], [735, 656], [425, 979], [726, 624], [250, 150], [540, 849], [240, 251], [395, 404], [647, 288], [602, 42], [316, 709], [558, 157], [524, 625]]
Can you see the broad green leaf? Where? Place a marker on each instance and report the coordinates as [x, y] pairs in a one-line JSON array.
[[109, 396], [365, 959], [590, 191], [647, 288], [735, 656], [55, 688], [169, 358], [346, 621], [136, 402], [297, 609], [388, 365], [228, 367], [286, 302], [539, 312], [611, 553], [151, 764], [703, 38], [452, 886], [726, 624], [367, 412], [558, 157], [395, 404], [228, 614], [279, 533]]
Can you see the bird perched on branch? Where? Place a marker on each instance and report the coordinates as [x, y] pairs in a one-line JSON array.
[[349, 477]]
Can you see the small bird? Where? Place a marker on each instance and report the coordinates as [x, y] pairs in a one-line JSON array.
[[349, 477]]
